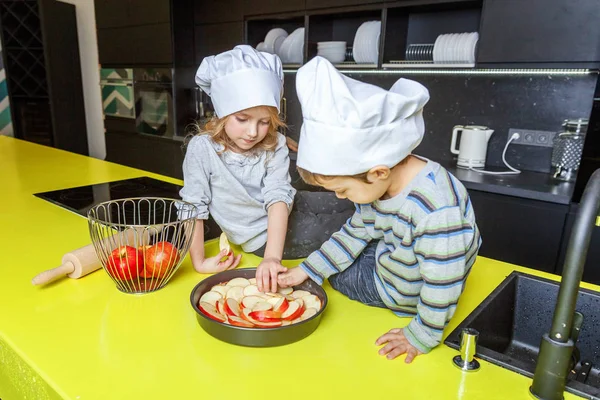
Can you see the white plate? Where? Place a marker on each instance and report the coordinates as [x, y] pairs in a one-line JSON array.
[[271, 38]]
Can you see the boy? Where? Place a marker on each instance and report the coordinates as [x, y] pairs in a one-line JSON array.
[[413, 238]]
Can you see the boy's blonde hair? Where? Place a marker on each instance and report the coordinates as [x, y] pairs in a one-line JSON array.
[[215, 128], [318, 179]]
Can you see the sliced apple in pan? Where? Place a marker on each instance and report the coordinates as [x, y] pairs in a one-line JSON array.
[[273, 300], [220, 289], [285, 322], [265, 316], [309, 312], [232, 307], [245, 314], [262, 306], [272, 324], [210, 311], [220, 306], [210, 297], [297, 294], [252, 290], [293, 311], [237, 321], [252, 281], [281, 305], [241, 282], [312, 301], [251, 301], [236, 293], [285, 290]]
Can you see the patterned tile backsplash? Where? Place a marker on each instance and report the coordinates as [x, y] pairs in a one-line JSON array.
[[117, 92]]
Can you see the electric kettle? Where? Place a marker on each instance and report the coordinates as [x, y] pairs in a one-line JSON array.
[[472, 150]]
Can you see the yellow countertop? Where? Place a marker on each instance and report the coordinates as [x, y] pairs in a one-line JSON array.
[[83, 339]]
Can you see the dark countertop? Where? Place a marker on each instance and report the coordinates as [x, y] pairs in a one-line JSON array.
[[530, 185]]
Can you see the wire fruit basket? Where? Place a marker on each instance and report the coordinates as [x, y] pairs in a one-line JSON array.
[[142, 241]]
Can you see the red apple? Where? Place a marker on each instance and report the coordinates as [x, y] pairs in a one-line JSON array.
[[125, 263], [160, 259]]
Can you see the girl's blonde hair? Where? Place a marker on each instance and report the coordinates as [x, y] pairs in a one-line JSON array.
[[215, 128]]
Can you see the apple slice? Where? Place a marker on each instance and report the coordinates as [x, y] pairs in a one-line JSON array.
[[241, 282], [262, 306], [237, 321], [210, 297], [251, 290], [272, 324], [232, 307], [251, 301], [271, 294], [281, 305], [211, 312], [220, 289], [224, 243], [297, 294], [220, 306], [236, 293], [252, 281], [312, 301], [265, 316], [309, 312], [284, 322], [293, 311], [274, 300], [245, 314], [285, 290]]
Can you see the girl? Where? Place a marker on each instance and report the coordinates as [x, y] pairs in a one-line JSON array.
[[238, 168]]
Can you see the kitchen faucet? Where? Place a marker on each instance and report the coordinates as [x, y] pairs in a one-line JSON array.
[[556, 349]]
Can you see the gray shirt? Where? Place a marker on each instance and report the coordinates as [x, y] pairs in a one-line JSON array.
[[237, 189]]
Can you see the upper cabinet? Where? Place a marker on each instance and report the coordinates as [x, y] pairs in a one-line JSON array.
[[134, 32], [540, 31], [217, 11], [314, 4], [257, 7]]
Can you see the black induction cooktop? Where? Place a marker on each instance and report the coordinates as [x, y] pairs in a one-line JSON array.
[[80, 199]]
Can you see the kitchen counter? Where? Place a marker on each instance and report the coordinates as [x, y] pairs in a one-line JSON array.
[[527, 184], [83, 339]]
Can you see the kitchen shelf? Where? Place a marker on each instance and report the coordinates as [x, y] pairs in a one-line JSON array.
[[424, 64]]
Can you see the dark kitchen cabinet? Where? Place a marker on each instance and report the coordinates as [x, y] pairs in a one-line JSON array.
[[257, 7], [216, 38], [115, 46], [112, 13], [216, 11], [519, 231], [145, 12], [121, 13], [313, 4], [540, 31], [591, 271]]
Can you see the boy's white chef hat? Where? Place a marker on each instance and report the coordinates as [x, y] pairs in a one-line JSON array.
[[350, 126], [241, 78]]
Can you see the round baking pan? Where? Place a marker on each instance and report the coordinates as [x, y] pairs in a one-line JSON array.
[[256, 337]]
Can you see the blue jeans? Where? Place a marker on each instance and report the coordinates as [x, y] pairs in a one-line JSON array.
[[357, 282]]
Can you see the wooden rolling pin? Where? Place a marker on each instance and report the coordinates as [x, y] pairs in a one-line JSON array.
[[76, 263]]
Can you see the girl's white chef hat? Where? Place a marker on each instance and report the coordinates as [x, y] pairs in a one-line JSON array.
[[350, 126], [241, 78]]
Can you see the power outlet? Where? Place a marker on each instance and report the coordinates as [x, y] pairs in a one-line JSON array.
[[532, 138]]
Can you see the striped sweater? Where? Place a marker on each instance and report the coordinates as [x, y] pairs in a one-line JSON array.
[[428, 241]]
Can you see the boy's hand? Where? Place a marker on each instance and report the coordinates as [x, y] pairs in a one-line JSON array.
[[266, 274], [397, 344], [293, 277], [214, 264]]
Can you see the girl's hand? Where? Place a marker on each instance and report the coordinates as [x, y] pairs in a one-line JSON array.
[[266, 274], [214, 264], [397, 344], [293, 277]]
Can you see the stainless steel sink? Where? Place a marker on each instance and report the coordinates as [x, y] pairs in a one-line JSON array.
[[514, 317]]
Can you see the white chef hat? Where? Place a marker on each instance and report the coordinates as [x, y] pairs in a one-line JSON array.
[[350, 126], [241, 78]]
